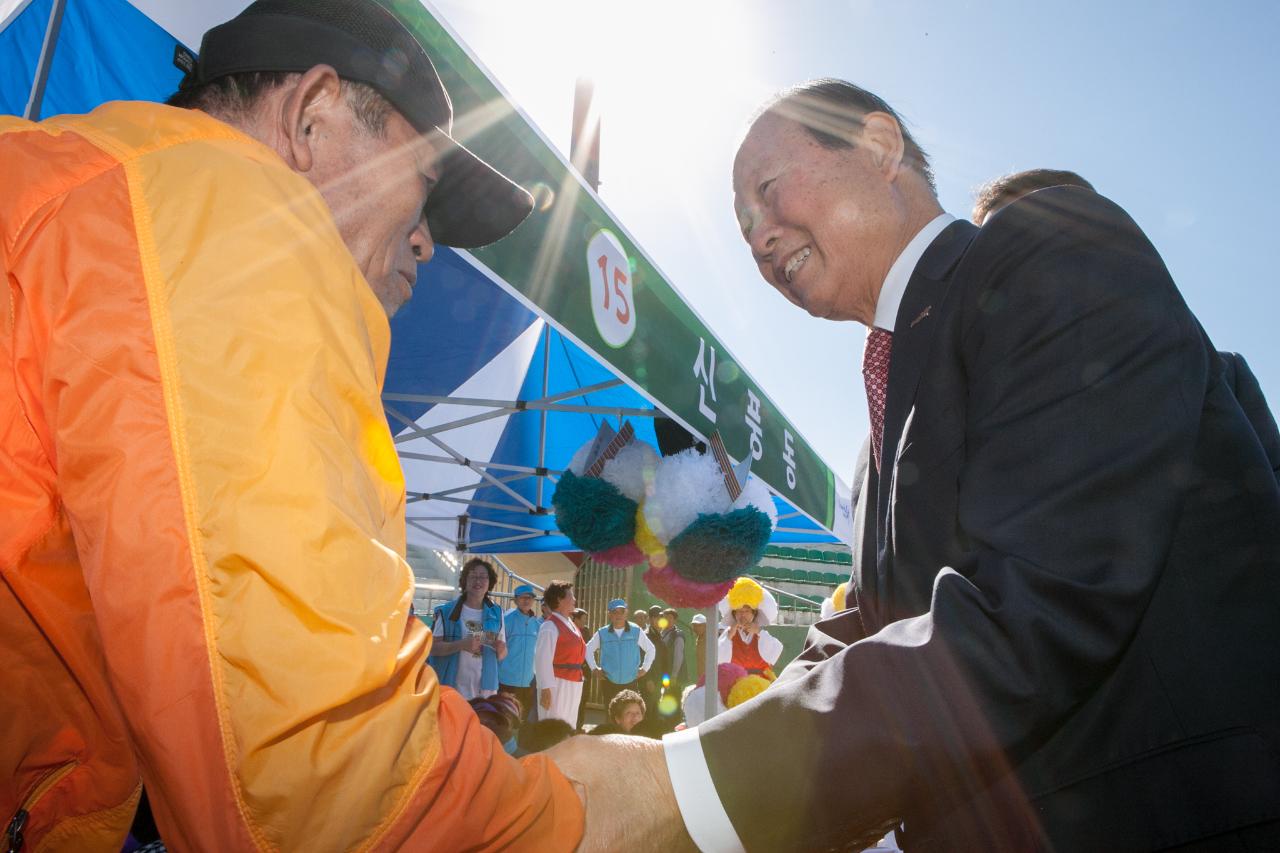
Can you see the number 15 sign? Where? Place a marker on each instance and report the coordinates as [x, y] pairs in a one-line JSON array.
[[612, 304]]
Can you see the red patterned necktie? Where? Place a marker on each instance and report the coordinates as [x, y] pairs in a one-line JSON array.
[[875, 372]]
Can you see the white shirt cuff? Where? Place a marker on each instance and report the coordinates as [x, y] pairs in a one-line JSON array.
[[704, 816]]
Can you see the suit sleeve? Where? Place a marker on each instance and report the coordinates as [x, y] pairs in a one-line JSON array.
[[1086, 374], [1248, 392], [213, 368]]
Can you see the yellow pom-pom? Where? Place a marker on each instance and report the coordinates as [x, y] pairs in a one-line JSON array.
[[746, 688], [837, 597], [645, 540], [745, 592]]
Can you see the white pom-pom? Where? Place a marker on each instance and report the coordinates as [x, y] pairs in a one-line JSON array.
[[755, 493], [578, 463], [695, 706], [684, 485], [632, 469]]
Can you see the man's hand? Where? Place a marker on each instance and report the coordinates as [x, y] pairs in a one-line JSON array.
[[472, 643], [500, 646], [544, 698], [626, 791]]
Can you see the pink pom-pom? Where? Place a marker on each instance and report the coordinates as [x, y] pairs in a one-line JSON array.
[[620, 556], [727, 675], [665, 583]]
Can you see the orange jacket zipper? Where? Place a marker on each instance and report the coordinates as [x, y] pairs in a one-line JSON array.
[[13, 834]]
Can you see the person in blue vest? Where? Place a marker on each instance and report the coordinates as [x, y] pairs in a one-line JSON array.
[[469, 637], [621, 645], [515, 673]]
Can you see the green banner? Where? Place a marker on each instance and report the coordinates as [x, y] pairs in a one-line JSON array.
[[574, 262]]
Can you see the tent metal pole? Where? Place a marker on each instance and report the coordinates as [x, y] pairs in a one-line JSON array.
[[36, 100], [462, 460], [443, 493], [523, 528], [497, 466], [711, 686], [453, 545], [520, 538], [437, 399], [593, 410], [542, 425], [484, 504]]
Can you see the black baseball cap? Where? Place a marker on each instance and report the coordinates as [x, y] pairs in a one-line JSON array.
[[365, 42]]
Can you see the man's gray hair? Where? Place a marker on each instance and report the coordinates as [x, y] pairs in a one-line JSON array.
[[233, 97], [832, 111]]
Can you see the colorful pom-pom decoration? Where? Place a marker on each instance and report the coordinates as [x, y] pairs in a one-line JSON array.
[[645, 540], [727, 675], [621, 556], [718, 547], [745, 689], [593, 513], [665, 583]]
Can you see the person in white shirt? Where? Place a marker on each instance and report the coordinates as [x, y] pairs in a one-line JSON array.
[[470, 638], [558, 656], [626, 652], [745, 612]]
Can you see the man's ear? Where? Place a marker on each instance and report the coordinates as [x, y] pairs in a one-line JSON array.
[[882, 137], [307, 112]]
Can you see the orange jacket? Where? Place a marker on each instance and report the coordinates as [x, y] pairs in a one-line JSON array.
[[202, 518]]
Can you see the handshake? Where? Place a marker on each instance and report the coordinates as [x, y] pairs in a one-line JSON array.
[[625, 791]]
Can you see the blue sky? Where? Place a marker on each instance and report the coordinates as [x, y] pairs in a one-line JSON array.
[[1169, 108]]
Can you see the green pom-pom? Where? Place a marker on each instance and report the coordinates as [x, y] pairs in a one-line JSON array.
[[593, 513], [718, 547]]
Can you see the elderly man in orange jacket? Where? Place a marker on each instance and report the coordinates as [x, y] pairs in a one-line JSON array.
[[202, 584]]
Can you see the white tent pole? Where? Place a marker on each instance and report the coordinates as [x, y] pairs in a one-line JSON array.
[[32, 112], [542, 425], [711, 687]]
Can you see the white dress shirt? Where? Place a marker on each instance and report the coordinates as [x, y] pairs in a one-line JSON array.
[[646, 649], [544, 650], [704, 815]]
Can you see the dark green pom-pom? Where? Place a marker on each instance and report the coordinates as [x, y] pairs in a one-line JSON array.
[[718, 547], [593, 513]]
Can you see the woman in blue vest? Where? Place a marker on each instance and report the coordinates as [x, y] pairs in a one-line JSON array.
[[621, 644], [469, 637], [515, 673]]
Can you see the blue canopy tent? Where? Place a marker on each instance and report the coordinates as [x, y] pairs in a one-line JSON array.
[[498, 371]]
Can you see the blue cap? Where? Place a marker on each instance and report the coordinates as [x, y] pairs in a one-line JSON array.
[[618, 602], [524, 589]]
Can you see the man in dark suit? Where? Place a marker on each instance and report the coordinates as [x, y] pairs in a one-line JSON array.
[[1067, 566], [998, 193]]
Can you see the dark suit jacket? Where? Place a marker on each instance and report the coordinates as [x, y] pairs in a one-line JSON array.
[[1244, 385], [1068, 577]]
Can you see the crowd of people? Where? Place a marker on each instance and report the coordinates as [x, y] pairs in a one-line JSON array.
[[545, 663], [1059, 632]]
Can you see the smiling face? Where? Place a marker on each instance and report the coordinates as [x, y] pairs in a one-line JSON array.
[[823, 224], [744, 615], [629, 717], [476, 583], [376, 185]]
